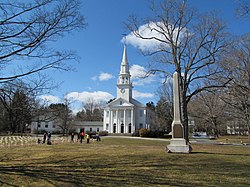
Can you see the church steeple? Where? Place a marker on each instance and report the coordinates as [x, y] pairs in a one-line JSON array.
[[124, 86], [124, 64]]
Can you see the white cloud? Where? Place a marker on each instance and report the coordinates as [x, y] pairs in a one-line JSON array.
[[149, 31], [137, 71], [138, 76], [103, 77], [50, 99], [98, 96], [141, 95]]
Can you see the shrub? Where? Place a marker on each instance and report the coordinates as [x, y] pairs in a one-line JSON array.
[[143, 132], [136, 133], [103, 133]]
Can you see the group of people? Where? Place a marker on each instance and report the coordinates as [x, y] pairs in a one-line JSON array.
[[81, 136], [46, 136]]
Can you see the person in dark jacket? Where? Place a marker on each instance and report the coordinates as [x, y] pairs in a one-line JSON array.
[[49, 138], [44, 137]]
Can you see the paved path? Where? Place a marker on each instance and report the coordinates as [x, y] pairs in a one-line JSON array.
[[192, 141]]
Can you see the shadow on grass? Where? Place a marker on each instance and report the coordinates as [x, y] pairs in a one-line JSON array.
[[131, 170], [68, 176]]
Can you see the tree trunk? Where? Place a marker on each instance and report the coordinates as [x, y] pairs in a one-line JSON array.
[[185, 117]]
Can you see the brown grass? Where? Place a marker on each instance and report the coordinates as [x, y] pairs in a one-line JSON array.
[[123, 162]]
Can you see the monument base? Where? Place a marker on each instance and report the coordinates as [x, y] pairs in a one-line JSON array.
[[178, 145]]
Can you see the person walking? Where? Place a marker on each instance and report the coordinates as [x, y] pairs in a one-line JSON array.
[[44, 137], [49, 138], [87, 137], [97, 137], [72, 137], [82, 136]]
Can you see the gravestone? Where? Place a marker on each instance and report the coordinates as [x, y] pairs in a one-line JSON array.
[[177, 144]]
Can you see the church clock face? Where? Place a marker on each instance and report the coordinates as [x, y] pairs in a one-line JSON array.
[[122, 90]]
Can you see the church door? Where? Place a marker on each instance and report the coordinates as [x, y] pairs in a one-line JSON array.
[[114, 128], [129, 128], [122, 128]]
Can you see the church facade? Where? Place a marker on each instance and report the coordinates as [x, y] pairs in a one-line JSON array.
[[124, 114]]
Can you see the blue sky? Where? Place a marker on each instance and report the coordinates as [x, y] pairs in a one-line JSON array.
[[100, 49]]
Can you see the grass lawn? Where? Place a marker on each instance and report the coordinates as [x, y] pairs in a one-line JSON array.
[[123, 162], [234, 139]]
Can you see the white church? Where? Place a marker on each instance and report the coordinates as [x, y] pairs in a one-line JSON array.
[[125, 114]]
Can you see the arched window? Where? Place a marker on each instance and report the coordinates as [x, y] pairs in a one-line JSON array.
[[122, 128], [114, 128], [129, 128]]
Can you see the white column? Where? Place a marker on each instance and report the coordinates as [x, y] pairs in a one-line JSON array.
[[117, 125], [132, 121], [111, 121], [125, 121]]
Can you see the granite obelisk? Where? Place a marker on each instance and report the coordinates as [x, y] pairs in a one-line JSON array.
[[177, 144]]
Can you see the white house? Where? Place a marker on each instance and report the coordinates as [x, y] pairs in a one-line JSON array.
[[76, 126], [124, 114]]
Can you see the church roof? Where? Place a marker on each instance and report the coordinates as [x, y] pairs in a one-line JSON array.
[[120, 102], [117, 103], [136, 103]]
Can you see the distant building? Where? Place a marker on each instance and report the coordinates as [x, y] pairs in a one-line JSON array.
[[75, 126], [125, 114], [87, 126], [237, 127]]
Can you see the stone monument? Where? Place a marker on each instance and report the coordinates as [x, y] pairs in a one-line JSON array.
[[177, 144]]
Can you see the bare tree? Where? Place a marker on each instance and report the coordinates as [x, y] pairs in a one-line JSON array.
[[164, 107], [92, 111], [62, 114], [243, 9], [209, 113], [18, 102], [27, 29], [187, 42], [236, 65]]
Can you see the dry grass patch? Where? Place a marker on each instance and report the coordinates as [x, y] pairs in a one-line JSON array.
[[123, 162]]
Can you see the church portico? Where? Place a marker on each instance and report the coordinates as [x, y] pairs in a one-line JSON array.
[[120, 120]]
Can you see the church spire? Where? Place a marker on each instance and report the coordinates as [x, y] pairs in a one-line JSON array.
[[124, 57], [124, 64]]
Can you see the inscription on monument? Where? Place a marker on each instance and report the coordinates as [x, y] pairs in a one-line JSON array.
[[177, 131]]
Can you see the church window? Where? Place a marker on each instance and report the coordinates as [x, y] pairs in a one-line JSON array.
[[141, 113], [122, 128], [129, 128], [114, 128], [97, 129], [120, 102], [39, 124], [129, 113], [90, 129], [141, 125], [46, 124]]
